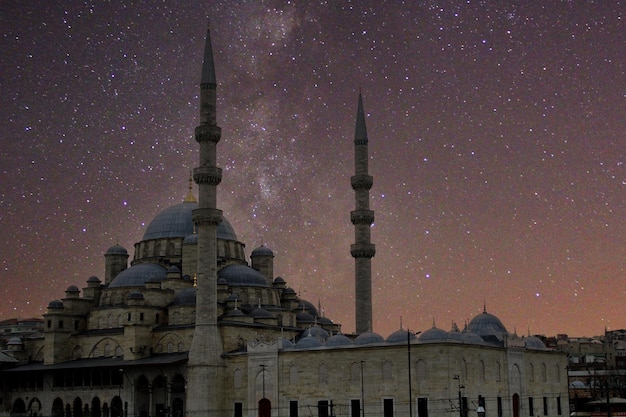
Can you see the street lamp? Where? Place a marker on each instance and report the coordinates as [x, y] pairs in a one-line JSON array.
[[408, 348], [461, 411]]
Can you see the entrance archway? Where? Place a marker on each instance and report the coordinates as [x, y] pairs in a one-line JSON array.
[[265, 408]]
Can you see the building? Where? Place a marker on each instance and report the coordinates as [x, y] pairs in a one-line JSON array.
[[192, 328]]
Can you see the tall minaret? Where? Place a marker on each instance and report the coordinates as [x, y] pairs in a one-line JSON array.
[[362, 218], [204, 365]]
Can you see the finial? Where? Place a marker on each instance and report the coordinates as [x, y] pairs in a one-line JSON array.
[[190, 197], [484, 306], [400, 322]]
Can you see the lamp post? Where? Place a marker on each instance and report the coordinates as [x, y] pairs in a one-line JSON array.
[[362, 392], [119, 391], [461, 413], [408, 354]]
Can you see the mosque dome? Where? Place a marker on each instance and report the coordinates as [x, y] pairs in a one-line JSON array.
[[138, 275], [135, 295], [191, 239], [305, 305], [55, 304], [434, 334], [116, 250], [261, 313], [93, 278], [15, 341], [287, 344], [186, 297], [471, 337], [368, 338], [262, 251], [303, 317], [242, 276], [338, 340], [309, 341], [72, 289], [486, 324], [400, 335], [534, 343], [176, 221], [173, 269]]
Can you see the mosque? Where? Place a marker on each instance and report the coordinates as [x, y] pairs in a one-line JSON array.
[[192, 327]]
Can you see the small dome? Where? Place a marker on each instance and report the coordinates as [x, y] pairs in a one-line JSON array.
[[191, 239], [72, 288], [116, 250], [304, 318], [138, 275], [338, 340], [534, 343], [15, 341], [261, 313], [242, 276], [279, 280], [222, 281], [55, 304], [173, 269], [400, 336], [368, 338], [135, 295], [233, 297], [472, 338], [235, 313], [308, 342], [93, 278], [287, 344], [433, 334], [318, 333], [289, 290], [186, 297], [262, 251]]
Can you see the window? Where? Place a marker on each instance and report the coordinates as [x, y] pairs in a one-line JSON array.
[[531, 408], [499, 406], [293, 408], [322, 408], [559, 411], [60, 324], [355, 408], [238, 410], [388, 407], [545, 406], [422, 407]]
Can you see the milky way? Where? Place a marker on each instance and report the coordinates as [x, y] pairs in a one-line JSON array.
[[496, 132]]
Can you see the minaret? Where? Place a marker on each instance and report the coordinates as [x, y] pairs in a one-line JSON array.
[[362, 218], [204, 365]]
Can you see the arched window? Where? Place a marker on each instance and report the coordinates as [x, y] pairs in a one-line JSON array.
[[237, 378], [355, 372], [323, 374], [78, 407], [293, 374], [387, 371]]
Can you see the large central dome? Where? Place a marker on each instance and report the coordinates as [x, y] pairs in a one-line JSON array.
[[175, 221]]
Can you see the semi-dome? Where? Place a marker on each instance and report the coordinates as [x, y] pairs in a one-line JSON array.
[[242, 276], [176, 221], [486, 324], [116, 250], [138, 275], [368, 338], [186, 297]]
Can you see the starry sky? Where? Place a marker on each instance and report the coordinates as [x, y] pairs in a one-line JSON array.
[[497, 142]]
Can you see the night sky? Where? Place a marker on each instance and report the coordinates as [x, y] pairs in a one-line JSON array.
[[497, 133]]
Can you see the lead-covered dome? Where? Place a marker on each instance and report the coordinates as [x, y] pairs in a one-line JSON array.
[[486, 324], [116, 249], [242, 276], [138, 275], [176, 221]]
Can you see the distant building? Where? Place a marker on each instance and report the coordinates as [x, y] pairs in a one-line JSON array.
[[191, 328]]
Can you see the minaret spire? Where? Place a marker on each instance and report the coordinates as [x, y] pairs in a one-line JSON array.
[[204, 365], [362, 218]]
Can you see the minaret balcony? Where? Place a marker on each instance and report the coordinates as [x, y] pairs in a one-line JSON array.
[[362, 182], [208, 133], [363, 250], [209, 216], [362, 217], [207, 175]]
